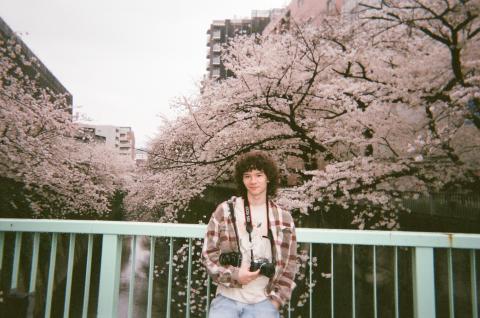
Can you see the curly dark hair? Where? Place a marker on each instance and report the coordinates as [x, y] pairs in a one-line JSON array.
[[256, 160]]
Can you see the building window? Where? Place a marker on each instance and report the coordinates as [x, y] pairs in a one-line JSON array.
[[217, 34], [217, 47], [216, 60], [216, 72]]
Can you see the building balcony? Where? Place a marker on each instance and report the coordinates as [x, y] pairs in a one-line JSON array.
[[218, 23], [215, 72], [343, 273], [216, 35], [217, 48], [216, 60]]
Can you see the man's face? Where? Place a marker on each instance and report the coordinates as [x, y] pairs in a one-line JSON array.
[[255, 181]]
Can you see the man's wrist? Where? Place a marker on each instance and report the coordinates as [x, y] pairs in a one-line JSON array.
[[276, 303]]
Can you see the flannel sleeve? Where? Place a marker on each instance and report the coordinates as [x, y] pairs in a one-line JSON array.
[[283, 281], [216, 232]]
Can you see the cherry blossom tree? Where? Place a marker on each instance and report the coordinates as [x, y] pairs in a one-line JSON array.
[[375, 109], [44, 170], [366, 111]]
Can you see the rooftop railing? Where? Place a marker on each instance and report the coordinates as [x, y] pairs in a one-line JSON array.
[[340, 271]]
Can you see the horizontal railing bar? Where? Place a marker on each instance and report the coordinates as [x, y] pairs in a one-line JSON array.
[[308, 235], [389, 238], [175, 230]]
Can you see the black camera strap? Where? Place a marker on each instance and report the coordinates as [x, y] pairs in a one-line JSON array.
[[234, 221], [249, 226]]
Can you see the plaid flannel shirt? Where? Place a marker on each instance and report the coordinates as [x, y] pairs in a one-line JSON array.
[[220, 238]]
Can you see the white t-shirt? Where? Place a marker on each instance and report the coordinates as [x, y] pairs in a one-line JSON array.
[[254, 291]]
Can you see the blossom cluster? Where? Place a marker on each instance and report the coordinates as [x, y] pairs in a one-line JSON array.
[[369, 110], [53, 174]]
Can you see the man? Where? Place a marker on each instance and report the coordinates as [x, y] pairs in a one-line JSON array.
[[250, 245]]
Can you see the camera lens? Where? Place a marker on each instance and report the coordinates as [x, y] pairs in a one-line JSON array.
[[232, 258], [267, 269]]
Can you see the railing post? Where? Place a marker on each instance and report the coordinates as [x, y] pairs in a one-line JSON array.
[[423, 282], [109, 276]]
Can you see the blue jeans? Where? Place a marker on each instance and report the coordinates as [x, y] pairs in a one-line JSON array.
[[223, 307]]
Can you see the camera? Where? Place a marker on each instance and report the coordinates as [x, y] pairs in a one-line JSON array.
[[235, 259], [232, 258], [266, 268]]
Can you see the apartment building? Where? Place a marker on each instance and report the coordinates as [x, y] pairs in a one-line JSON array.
[[222, 31], [117, 137], [45, 78], [141, 157], [310, 11]]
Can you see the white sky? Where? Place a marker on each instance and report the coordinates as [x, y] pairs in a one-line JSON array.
[[124, 61]]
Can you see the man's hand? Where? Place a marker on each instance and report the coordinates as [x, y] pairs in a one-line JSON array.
[[245, 276], [276, 304]]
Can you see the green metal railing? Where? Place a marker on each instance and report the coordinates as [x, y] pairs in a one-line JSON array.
[[423, 247]]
